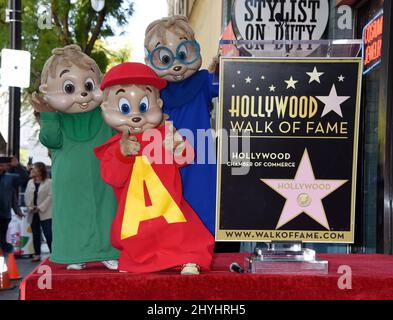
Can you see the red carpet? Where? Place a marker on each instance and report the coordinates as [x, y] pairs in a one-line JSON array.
[[372, 278]]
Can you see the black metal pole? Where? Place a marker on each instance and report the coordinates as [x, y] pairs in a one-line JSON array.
[[15, 9]]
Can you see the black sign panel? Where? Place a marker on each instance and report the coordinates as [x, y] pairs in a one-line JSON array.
[[288, 149]]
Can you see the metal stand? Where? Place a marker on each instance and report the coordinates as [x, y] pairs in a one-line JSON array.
[[284, 258]]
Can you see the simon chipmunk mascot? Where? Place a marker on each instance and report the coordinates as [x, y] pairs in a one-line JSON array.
[[174, 54], [155, 228], [71, 126]]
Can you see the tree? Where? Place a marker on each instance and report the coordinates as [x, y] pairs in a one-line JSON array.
[[73, 22]]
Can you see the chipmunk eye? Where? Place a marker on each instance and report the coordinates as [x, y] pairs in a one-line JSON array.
[[68, 87], [124, 106], [183, 53], [144, 105], [165, 58], [89, 84]]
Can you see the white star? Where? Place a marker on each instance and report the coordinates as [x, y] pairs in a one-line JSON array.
[[239, 72], [341, 78], [263, 77], [332, 102], [315, 75], [291, 83], [272, 88], [248, 79], [233, 86], [257, 88]]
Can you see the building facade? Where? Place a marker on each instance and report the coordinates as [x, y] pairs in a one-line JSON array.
[[205, 17]]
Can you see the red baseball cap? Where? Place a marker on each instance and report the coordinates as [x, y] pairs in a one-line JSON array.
[[132, 73]]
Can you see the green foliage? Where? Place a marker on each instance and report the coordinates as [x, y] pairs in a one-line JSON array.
[[71, 23], [122, 55], [102, 51], [101, 58]]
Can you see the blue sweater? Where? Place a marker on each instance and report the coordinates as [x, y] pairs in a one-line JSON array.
[[188, 105]]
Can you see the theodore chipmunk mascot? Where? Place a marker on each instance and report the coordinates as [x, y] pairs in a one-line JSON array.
[[174, 54], [155, 228], [71, 126]]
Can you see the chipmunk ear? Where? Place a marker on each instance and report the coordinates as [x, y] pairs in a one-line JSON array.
[[160, 103], [43, 88]]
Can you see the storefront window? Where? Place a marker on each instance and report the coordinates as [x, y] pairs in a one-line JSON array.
[[370, 104]]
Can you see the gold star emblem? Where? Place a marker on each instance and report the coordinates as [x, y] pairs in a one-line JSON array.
[[291, 83], [315, 75]]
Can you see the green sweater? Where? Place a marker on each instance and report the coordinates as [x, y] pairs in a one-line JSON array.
[[83, 205]]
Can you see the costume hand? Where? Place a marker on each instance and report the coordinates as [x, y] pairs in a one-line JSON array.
[[173, 141], [129, 146], [213, 65], [39, 104]]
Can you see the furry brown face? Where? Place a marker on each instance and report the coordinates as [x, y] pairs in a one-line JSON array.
[[132, 108], [179, 70], [73, 89]]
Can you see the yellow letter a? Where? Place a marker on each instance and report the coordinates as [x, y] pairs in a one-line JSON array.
[[136, 210]]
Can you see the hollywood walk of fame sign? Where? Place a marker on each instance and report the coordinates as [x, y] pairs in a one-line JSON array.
[[288, 137]]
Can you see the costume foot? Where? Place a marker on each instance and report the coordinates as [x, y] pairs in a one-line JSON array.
[[76, 266], [190, 269], [111, 264]]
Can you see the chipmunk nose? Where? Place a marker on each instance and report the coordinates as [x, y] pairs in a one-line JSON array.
[[84, 94], [136, 119], [177, 68]]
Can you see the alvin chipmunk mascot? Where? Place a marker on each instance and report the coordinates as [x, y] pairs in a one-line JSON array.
[[71, 126], [155, 228]]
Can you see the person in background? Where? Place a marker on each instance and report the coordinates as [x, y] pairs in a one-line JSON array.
[[12, 175], [20, 171], [15, 205], [29, 165], [38, 199]]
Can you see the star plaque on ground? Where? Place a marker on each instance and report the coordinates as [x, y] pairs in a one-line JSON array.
[[304, 193]]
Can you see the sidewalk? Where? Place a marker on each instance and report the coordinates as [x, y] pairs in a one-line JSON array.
[[25, 266]]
